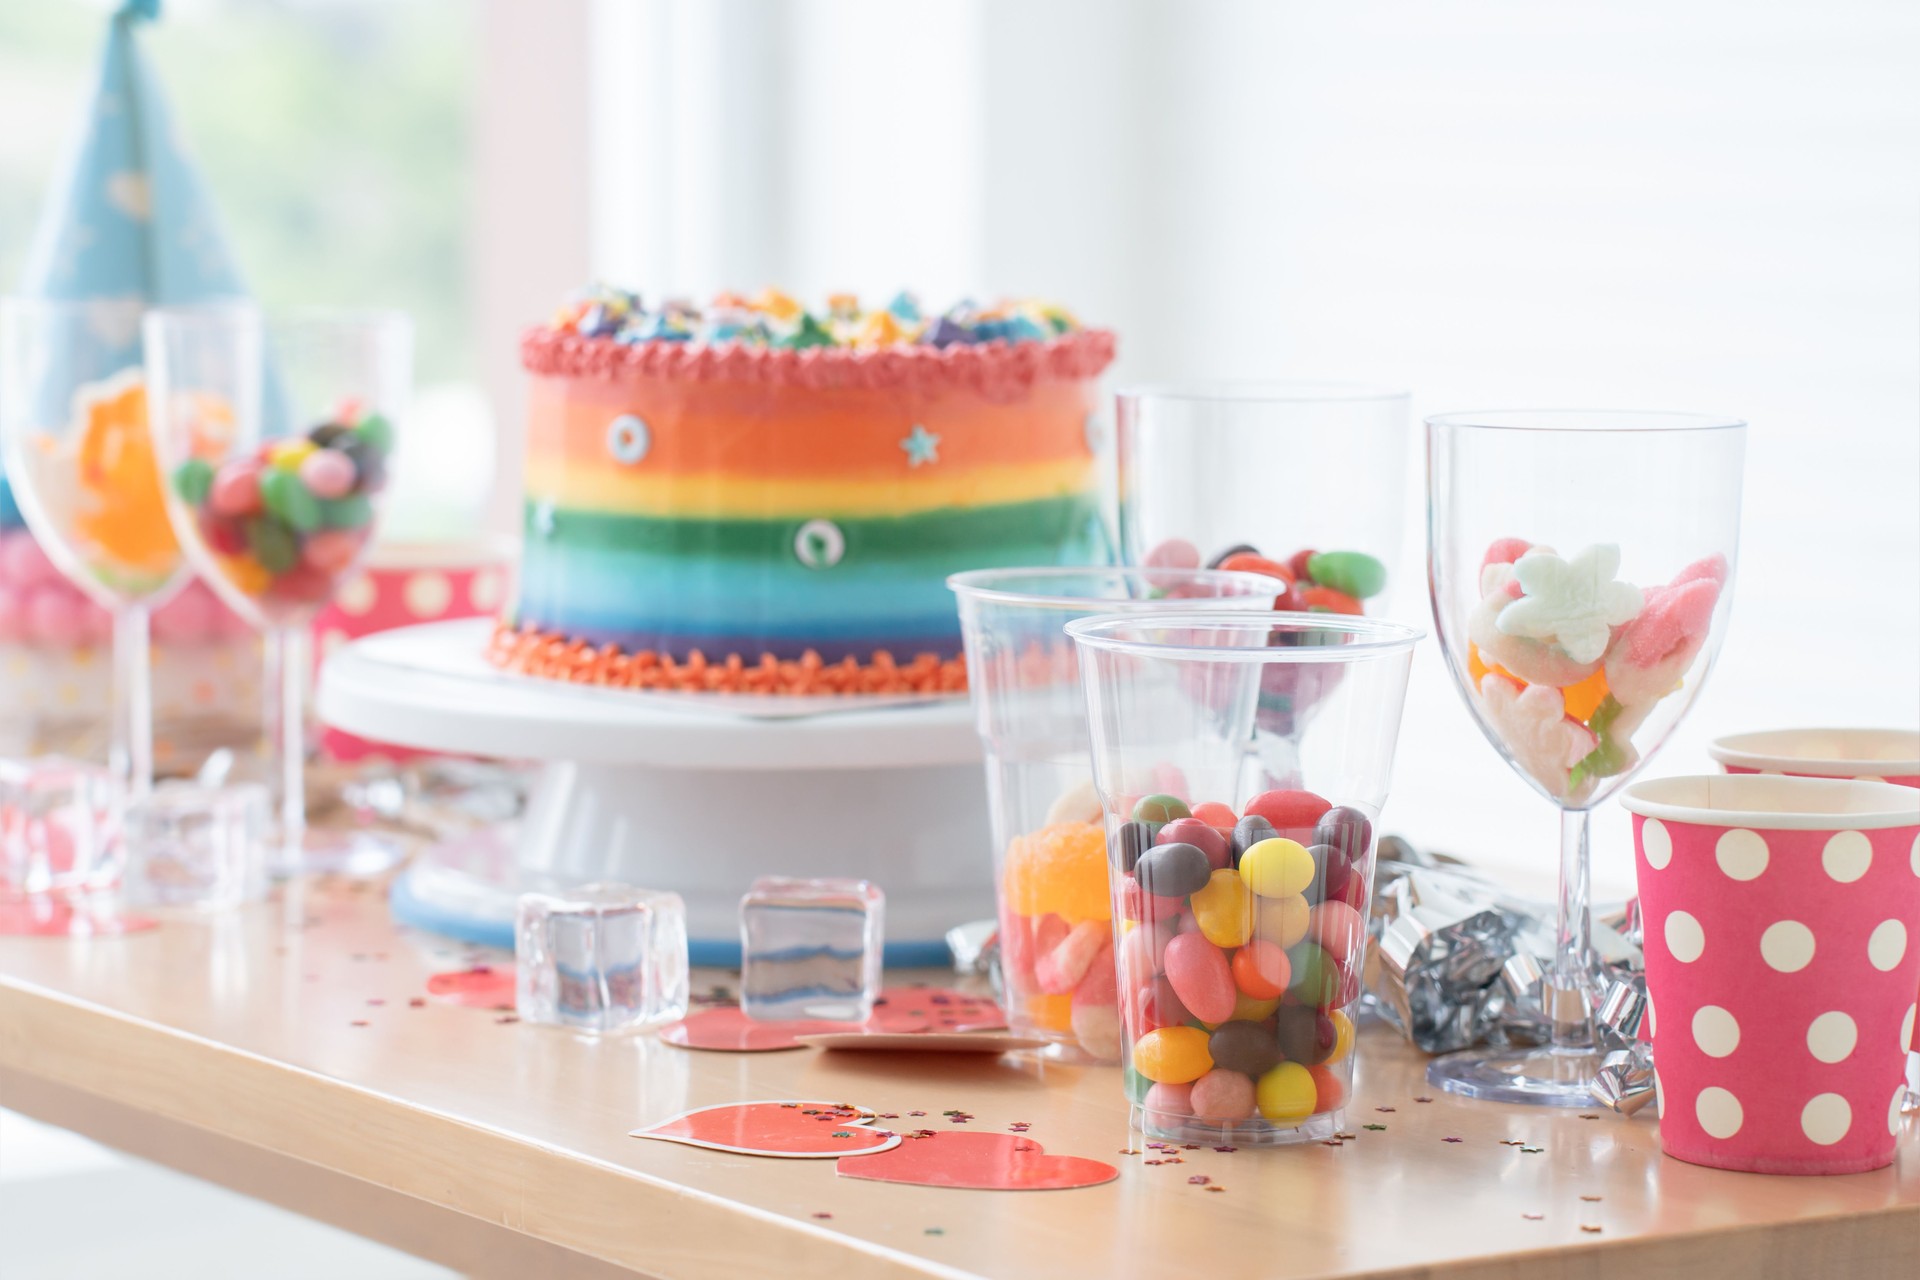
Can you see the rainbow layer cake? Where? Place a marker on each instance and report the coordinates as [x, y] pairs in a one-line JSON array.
[[754, 496]]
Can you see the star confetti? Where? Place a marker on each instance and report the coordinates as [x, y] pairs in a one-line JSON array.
[[1198, 1180], [1590, 1230], [1511, 1142], [1383, 1108], [1377, 1128], [1421, 1100], [1226, 1148], [1531, 1151], [1216, 1188], [1588, 1115], [1533, 1217], [1592, 1199], [1450, 1139]]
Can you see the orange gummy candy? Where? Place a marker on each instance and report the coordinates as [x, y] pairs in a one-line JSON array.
[[1478, 668], [1061, 869], [127, 517], [1584, 699], [1050, 1013]]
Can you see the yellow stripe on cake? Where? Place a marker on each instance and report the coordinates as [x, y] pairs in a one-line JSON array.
[[723, 495]]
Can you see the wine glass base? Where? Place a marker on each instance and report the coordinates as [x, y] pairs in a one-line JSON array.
[[1544, 1077], [358, 854]]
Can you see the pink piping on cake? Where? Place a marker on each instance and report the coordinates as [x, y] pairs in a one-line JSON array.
[[988, 367]]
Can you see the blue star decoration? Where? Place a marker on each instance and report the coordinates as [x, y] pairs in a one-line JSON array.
[[921, 446]]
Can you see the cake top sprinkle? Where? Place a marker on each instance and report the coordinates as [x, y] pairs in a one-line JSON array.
[[778, 321]]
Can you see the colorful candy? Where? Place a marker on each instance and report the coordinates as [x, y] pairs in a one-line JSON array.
[[1224, 909], [1058, 960], [1172, 1055], [1277, 868], [1200, 977]]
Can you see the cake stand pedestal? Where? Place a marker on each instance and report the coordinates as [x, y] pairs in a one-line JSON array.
[[693, 793]]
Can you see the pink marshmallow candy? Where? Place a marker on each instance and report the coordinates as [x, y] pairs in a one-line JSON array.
[[328, 473]]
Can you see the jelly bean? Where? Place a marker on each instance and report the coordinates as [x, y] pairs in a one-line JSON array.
[[284, 496], [1174, 553], [1354, 894], [1224, 910], [1157, 1005], [1289, 810], [1331, 601], [235, 490], [370, 464], [1287, 1093], [1245, 1047], [1322, 856], [272, 544], [1169, 1099], [1315, 975], [1248, 1009], [1298, 562], [375, 433], [1222, 1096], [1261, 970], [1306, 1035], [1216, 815], [247, 575], [303, 584], [1339, 931], [1253, 562], [331, 550], [350, 512], [1172, 1055], [1354, 572], [287, 455], [1342, 1035], [1238, 548], [1249, 831], [1130, 841], [1277, 868], [1209, 840], [193, 481], [1173, 870], [1282, 921], [1346, 829], [226, 537], [328, 473], [1329, 1089], [1200, 977], [1161, 808], [1137, 904], [1060, 969], [332, 435]]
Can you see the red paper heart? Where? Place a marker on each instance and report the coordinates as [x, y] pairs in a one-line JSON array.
[[933, 1009], [731, 1031], [798, 1130], [981, 1161], [895, 1009], [481, 987]]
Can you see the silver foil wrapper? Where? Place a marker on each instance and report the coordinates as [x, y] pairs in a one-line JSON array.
[[1457, 960]]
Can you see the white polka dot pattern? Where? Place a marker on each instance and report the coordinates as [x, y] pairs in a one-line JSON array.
[[1656, 844], [1715, 1031], [1685, 939], [1787, 946], [628, 439], [1742, 854], [819, 544], [1718, 1112], [427, 594], [1887, 945], [1832, 1036], [1847, 856], [483, 593], [357, 597], [1826, 1118]]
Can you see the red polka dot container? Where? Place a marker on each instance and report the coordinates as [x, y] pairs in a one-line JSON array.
[[1782, 922]]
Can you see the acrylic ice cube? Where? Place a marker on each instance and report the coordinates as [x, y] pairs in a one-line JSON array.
[[810, 948], [198, 847], [57, 833], [601, 958]]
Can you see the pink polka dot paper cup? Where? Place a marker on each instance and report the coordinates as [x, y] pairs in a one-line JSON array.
[[1783, 953], [1869, 755]]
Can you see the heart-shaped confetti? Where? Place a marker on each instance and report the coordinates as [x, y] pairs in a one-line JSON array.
[[979, 1161], [481, 987], [795, 1130]]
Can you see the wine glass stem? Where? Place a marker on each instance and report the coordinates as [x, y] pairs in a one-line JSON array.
[[1569, 999], [286, 660], [130, 750]]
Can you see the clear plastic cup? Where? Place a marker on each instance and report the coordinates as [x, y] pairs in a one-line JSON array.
[[1056, 963], [1242, 860]]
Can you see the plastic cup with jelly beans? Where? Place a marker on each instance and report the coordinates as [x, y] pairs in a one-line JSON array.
[[1240, 895]]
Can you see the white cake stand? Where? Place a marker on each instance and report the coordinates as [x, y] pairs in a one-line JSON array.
[[694, 793]]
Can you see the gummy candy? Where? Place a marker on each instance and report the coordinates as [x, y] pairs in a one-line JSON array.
[[1060, 870]]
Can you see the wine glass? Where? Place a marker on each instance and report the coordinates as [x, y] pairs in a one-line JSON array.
[[1581, 566], [276, 437], [80, 458]]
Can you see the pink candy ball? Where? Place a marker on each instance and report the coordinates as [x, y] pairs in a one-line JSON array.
[[1221, 1095], [236, 489], [328, 473], [23, 563], [1170, 1099]]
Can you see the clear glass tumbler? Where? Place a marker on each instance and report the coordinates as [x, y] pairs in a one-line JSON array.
[[1309, 477], [277, 439], [1050, 858], [1241, 866], [1582, 568]]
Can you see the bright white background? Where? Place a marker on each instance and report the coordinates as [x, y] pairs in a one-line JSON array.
[[1712, 206]]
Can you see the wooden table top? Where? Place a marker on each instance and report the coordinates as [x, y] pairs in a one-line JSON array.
[[287, 1030]]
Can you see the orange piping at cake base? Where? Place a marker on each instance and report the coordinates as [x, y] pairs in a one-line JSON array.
[[533, 652]]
